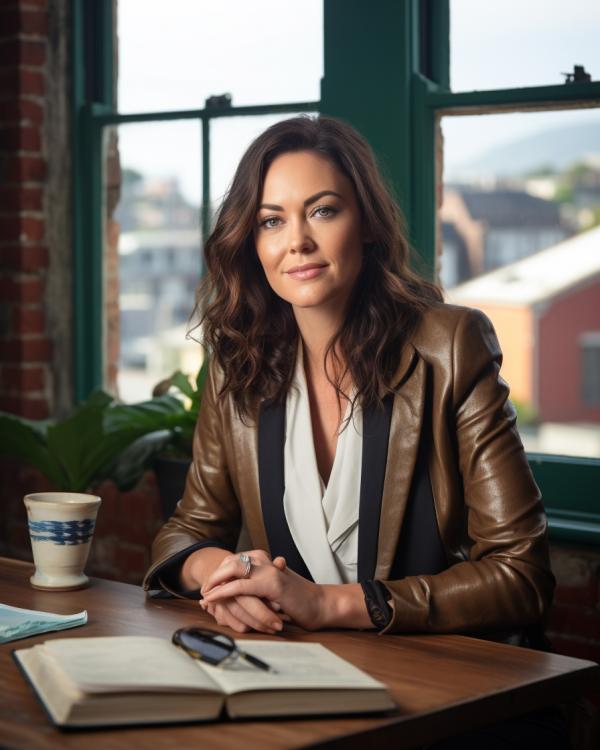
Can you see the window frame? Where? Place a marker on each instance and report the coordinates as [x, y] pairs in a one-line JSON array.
[[411, 41]]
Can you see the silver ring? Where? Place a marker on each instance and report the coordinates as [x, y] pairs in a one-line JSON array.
[[247, 560]]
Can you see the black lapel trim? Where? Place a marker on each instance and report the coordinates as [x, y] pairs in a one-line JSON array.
[[271, 438], [376, 433]]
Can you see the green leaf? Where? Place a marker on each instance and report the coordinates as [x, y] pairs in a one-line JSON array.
[[181, 382], [201, 377], [24, 440], [131, 463], [163, 412], [79, 444]]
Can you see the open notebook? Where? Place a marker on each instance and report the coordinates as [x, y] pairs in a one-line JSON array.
[[141, 680]]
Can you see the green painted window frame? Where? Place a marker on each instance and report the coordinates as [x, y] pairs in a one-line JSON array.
[[387, 73]]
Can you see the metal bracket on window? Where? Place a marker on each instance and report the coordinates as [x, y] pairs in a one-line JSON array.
[[221, 101], [579, 75]]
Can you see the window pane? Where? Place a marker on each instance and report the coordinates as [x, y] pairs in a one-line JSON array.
[[520, 240], [173, 55], [511, 44], [152, 253]]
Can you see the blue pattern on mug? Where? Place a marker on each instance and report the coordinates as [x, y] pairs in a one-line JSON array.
[[62, 532]]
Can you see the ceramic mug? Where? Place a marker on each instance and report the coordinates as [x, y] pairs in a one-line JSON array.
[[61, 526]]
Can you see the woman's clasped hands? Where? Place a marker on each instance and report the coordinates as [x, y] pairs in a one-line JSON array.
[[268, 596]]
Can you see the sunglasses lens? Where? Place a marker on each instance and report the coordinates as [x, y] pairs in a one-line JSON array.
[[212, 647]]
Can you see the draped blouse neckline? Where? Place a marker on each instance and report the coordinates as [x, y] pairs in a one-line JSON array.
[[323, 520]]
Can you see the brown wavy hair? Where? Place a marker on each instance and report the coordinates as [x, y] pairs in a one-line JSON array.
[[252, 333]]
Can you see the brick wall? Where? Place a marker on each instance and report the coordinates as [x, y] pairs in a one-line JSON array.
[[25, 347], [574, 626]]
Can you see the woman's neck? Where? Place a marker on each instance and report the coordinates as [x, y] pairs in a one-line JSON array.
[[317, 328]]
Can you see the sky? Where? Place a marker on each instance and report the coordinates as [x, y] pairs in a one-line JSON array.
[[173, 55]]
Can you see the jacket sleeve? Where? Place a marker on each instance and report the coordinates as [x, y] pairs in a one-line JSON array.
[[208, 513], [506, 582]]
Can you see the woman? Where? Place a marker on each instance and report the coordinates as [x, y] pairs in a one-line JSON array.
[[317, 325], [352, 425]]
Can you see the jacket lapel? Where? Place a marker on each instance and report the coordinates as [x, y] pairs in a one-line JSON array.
[[271, 439], [404, 435], [376, 432]]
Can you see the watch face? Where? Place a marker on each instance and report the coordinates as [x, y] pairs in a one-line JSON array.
[[379, 610]]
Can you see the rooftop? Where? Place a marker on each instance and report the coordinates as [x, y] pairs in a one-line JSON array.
[[539, 277], [509, 208]]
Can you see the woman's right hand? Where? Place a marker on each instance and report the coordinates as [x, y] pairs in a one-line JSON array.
[[240, 613]]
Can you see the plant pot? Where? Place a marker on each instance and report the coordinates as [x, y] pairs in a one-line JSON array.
[[171, 474]]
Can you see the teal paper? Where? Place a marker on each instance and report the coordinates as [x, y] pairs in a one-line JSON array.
[[18, 623]]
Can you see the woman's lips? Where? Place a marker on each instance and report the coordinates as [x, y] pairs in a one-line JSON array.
[[307, 272]]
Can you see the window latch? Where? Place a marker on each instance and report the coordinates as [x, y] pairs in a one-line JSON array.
[[579, 75]]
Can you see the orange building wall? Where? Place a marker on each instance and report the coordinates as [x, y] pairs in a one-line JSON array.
[[514, 326]]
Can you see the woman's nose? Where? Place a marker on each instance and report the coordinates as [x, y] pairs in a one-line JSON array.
[[300, 240]]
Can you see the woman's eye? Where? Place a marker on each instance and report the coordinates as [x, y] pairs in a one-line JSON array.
[[266, 222], [327, 209]]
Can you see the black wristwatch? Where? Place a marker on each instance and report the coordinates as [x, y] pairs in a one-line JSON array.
[[376, 599]]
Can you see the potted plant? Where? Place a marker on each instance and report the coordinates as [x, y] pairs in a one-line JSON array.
[[104, 439]]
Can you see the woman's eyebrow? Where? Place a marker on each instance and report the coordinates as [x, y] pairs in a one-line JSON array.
[[307, 202]]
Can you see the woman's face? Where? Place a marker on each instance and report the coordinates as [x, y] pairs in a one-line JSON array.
[[308, 231]]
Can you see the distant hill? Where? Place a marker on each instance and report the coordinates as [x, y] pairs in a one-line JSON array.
[[558, 148]]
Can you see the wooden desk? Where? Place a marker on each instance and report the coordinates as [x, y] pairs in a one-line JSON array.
[[442, 684]]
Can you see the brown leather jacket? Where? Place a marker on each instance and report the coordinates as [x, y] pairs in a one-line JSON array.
[[451, 414]]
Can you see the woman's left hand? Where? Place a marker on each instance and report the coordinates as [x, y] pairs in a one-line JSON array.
[[303, 601]]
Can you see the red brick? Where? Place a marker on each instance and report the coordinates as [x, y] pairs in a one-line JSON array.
[[20, 541], [22, 228], [578, 649], [582, 595], [20, 138], [22, 52], [24, 378], [15, 198], [9, 83], [30, 408], [11, 404], [9, 20], [21, 111], [578, 622], [21, 168], [26, 350], [132, 562], [102, 557], [17, 20], [35, 3], [136, 522], [31, 82], [26, 258], [110, 508], [25, 290], [27, 320], [577, 574], [33, 480]]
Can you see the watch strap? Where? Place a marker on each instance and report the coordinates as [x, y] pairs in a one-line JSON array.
[[376, 600]]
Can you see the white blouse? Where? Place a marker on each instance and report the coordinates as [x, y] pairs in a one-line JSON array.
[[323, 521]]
